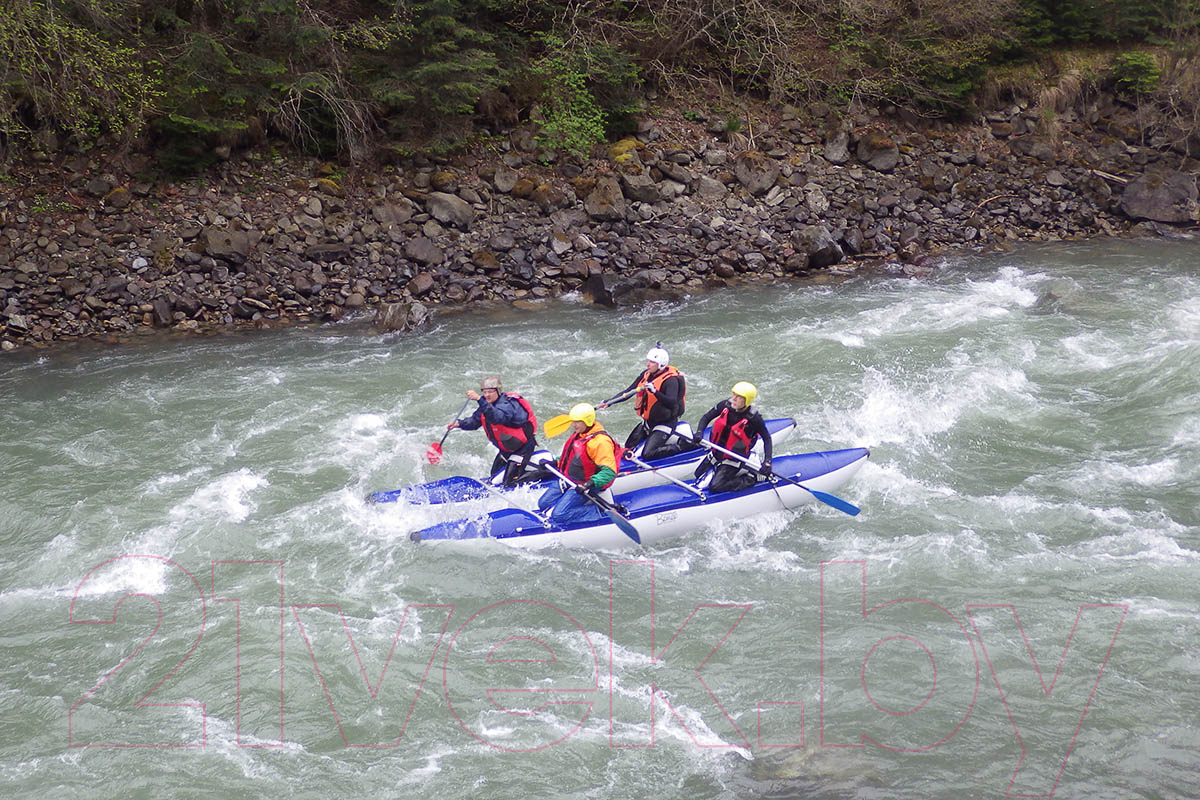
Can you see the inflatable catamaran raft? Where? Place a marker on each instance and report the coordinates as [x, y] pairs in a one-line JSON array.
[[654, 513]]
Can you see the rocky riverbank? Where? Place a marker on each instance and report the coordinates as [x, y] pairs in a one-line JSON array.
[[89, 250]]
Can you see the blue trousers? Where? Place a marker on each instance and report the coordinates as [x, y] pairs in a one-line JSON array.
[[568, 506]]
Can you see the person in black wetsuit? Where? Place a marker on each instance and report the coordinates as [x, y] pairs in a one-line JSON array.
[[659, 393], [737, 426]]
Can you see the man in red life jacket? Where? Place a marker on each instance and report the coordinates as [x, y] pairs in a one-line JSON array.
[[737, 426], [590, 457], [508, 422], [659, 393]]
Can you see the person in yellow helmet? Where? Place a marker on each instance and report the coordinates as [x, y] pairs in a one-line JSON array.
[[737, 426], [590, 457]]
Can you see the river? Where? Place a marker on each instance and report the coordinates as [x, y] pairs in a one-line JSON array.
[[196, 600]]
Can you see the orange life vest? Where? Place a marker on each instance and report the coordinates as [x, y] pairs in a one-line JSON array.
[[644, 401]]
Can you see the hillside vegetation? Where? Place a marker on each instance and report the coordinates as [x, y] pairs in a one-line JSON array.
[[187, 78]]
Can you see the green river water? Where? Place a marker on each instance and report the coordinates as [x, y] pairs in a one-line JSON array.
[[196, 601]]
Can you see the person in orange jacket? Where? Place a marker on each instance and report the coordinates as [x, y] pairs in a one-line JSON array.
[[590, 457]]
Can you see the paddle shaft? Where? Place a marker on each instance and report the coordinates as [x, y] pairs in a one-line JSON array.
[[621, 397], [657, 471], [456, 416], [556, 425], [825, 497]]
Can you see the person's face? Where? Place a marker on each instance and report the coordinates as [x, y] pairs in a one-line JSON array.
[[579, 426], [737, 401], [491, 395], [652, 366]]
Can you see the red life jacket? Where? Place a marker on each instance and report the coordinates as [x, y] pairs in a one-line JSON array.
[[575, 462], [511, 438], [644, 401], [732, 437]]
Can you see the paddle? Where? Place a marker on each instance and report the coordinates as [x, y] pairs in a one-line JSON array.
[[557, 425], [434, 454], [617, 518], [824, 497], [675, 481]]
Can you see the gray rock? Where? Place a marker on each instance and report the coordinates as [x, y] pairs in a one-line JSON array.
[[419, 248], [710, 188], [505, 179], [878, 151], [393, 212], [450, 209], [837, 147], [228, 245], [606, 203], [640, 188], [421, 285], [1161, 197], [818, 243], [756, 171]]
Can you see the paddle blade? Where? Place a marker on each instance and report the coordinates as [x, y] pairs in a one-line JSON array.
[[556, 425], [434, 454], [624, 525], [834, 501]]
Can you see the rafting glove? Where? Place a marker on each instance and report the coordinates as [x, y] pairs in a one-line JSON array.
[[765, 469]]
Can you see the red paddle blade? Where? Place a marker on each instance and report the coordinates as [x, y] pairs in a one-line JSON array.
[[434, 454]]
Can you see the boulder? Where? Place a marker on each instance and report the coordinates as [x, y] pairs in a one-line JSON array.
[[819, 244], [227, 245], [756, 171], [420, 285], [837, 147], [505, 178], [450, 209], [641, 188], [393, 212], [1162, 197], [400, 317], [606, 203], [420, 248], [878, 151]]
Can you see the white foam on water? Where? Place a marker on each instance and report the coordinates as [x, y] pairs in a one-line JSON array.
[[1093, 350], [741, 544], [222, 738], [95, 449], [1093, 475], [894, 411], [126, 575], [226, 497], [887, 482], [159, 483], [432, 766]]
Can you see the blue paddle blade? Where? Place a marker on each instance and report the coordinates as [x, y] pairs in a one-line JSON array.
[[624, 525], [832, 500]]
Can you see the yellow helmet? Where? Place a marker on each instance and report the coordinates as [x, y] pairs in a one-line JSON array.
[[745, 390], [582, 412]]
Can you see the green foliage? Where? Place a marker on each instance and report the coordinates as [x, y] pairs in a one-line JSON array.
[[343, 77], [571, 118], [1136, 72], [56, 71]]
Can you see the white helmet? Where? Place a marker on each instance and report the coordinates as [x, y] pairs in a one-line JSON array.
[[658, 356]]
